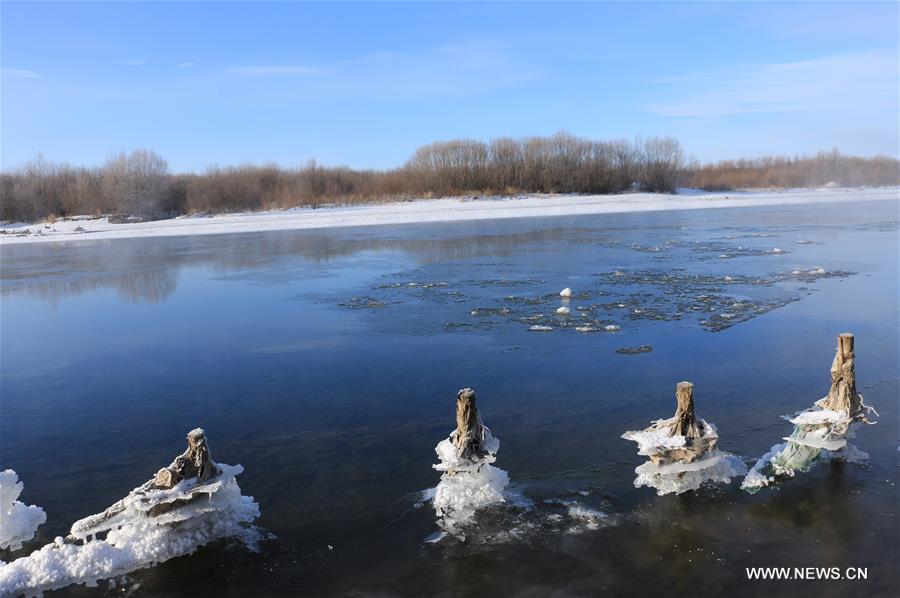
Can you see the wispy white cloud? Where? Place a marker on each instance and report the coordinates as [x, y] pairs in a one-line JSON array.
[[187, 65], [21, 74], [846, 83], [461, 69], [274, 70]]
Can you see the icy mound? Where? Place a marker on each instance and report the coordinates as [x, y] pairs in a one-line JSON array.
[[18, 521], [682, 450], [169, 516], [715, 466], [820, 432], [468, 482], [466, 485]]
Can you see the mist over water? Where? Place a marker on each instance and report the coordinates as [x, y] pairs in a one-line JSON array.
[[327, 363]]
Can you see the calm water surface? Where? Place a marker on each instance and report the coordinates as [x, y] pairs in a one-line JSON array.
[[327, 363]]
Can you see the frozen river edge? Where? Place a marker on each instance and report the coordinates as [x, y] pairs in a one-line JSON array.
[[433, 210]]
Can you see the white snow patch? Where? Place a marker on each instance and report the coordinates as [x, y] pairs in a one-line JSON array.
[[438, 210], [18, 521]]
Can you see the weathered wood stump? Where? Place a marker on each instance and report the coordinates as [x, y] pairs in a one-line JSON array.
[[843, 396], [684, 423], [469, 433], [195, 462]]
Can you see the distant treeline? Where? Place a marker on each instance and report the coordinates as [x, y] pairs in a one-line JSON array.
[[774, 171], [140, 184]]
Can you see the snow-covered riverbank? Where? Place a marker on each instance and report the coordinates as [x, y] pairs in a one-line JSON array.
[[436, 210]]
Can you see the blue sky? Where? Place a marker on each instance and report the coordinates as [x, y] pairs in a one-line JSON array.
[[365, 84]]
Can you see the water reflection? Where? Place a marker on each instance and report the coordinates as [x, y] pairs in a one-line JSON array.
[[147, 269]]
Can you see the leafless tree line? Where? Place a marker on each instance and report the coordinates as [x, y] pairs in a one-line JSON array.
[[562, 163], [775, 171], [140, 184]]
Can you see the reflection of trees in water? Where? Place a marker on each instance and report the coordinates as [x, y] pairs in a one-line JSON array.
[[152, 285], [147, 269]]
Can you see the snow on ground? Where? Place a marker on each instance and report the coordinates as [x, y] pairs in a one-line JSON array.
[[436, 210]]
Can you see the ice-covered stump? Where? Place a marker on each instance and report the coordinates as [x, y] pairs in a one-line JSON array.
[[469, 433], [195, 462], [18, 521], [468, 482], [821, 431], [682, 450], [190, 503], [842, 395]]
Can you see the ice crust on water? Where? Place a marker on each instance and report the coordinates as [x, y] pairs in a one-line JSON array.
[[651, 440], [137, 538], [816, 417], [18, 521], [467, 485], [715, 466]]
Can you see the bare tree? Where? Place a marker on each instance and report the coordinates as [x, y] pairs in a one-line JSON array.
[[662, 161], [136, 182]]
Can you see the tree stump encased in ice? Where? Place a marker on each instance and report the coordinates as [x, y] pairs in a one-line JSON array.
[[195, 462], [684, 423], [467, 438]]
